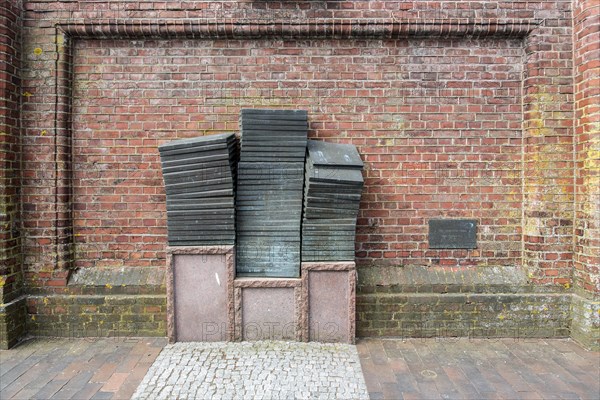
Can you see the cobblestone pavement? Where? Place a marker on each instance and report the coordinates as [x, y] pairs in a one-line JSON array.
[[76, 368], [254, 370], [462, 368]]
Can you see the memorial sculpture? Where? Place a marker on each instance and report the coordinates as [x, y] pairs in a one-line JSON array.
[[280, 207], [281, 199]]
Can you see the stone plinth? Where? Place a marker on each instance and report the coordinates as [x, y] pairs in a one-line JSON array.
[[328, 293], [268, 309], [200, 293]]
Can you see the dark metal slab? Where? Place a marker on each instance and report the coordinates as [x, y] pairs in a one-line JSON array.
[[452, 234]]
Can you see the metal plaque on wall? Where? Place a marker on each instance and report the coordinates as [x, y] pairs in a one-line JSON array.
[[452, 234]]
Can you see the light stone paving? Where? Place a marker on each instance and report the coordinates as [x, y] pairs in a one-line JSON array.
[[255, 370]]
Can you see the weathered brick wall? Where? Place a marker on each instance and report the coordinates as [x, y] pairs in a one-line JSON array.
[[438, 121], [9, 151], [454, 119], [103, 302], [470, 302], [457, 154], [547, 151], [11, 278], [587, 148], [587, 153]]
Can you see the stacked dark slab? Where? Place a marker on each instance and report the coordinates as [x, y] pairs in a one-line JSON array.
[[269, 196], [200, 176], [333, 186]]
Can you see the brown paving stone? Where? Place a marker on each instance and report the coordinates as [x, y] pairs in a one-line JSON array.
[[482, 369], [517, 382], [411, 396], [530, 396], [25, 394], [87, 391], [115, 381], [391, 391], [70, 371], [50, 389], [100, 395], [65, 368], [378, 355], [129, 363], [371, 378], [128, 387], [104, 373], [428, 390]]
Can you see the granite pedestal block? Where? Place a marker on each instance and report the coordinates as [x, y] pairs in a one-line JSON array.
[[328, 293], [268, 309], [200, 293]]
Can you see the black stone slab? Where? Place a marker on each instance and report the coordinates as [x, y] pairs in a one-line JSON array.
[[198, 166], [452, 234], [198, 189], [269, 116], [338, 235], [217, 202], [230, 148], [199, 175], [276, 158], [301, 114], [202, 182], [200, 235], [209, 139], [255, 201], [195, 159], [202, 194], [333, 154], [327, 256], [189, 241], [200, 243], [223, 213], [203, 219], [284, 123], [202, 227], [309, 206], [312, 230], [328, 177], [327, 190]]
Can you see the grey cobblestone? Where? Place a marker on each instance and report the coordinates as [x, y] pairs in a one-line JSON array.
[[253, 370]]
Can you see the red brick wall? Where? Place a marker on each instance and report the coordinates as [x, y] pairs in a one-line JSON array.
[[10, 250], [587, 145], [438, 120]]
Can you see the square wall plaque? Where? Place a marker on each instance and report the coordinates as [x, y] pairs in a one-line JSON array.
[[452, 234]]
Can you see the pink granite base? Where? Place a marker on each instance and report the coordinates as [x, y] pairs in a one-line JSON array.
[[267, 309], [328, 291], [200, 293]]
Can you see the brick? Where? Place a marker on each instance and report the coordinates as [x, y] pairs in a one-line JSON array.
[[437, 117]]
